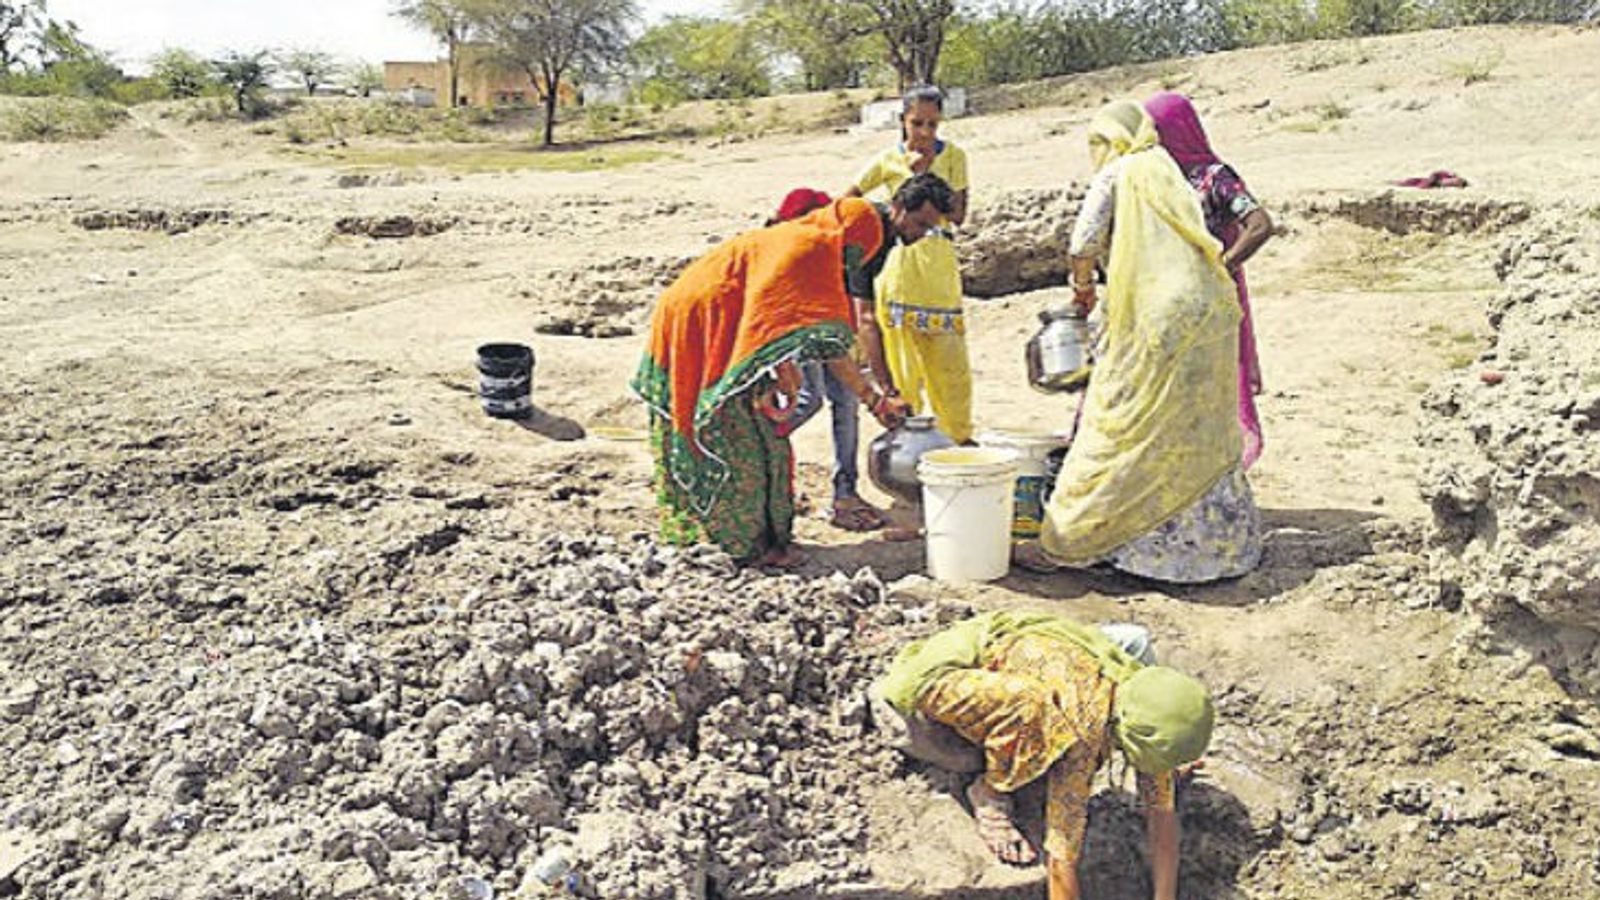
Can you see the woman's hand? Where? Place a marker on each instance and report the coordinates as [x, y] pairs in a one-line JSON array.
[[920, 158], [1083, 297], [1081, 272], [766, 403]]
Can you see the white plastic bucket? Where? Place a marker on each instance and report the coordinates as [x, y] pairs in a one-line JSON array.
[[1032, 449], [967, 500]]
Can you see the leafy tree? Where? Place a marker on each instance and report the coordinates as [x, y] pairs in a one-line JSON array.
[[19, 20], [365, 78], [61, 41], [828, 38], [180, 73], [312, 67], [1257, 22], [450, 21], [913, 33], [70, 66], [244, 75], [551, 40], [999, 47], [700, 58]]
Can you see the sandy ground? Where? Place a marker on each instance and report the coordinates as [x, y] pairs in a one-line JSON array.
[[270, 345]]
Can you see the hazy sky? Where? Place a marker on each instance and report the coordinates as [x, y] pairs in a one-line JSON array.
[[134, 30]]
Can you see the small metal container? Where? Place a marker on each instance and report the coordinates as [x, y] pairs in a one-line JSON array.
[[892, 459], [1058, 355]]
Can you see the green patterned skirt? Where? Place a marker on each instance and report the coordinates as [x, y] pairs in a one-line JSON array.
[[753, 511]]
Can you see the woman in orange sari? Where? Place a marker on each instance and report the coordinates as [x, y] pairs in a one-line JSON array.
[[726, 336]]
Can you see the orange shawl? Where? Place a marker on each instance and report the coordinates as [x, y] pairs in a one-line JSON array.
[[754, 301]]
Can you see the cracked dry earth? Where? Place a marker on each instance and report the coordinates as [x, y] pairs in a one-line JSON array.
[[283, 615]]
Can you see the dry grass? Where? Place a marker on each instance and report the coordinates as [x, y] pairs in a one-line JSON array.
[[480, 158], [49, 119]]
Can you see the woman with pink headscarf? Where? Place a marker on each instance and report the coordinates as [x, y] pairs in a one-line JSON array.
[[1234, 218]]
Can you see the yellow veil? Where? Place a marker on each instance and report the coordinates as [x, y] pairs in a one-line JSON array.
[[1160, 423]]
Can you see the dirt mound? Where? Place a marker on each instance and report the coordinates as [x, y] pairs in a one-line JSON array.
[[192, 700], [610, 299], [1410, 212], [1017, 241], [1515, 447], [168, 221], [394, 226]]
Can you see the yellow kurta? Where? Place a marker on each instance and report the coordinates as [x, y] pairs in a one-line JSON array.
[[919, 302]]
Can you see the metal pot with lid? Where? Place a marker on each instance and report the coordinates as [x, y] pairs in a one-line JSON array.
[[892, 459], [1058, 354]]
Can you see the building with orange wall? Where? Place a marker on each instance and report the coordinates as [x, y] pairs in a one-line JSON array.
[[479, 82]]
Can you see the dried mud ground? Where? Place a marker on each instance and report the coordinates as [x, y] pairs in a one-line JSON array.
[[282, 614]]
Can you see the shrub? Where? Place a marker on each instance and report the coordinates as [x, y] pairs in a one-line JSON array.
[[58, 119], [1479, 68]]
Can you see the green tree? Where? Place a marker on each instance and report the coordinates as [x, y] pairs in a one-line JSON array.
[[244, 75], [180, 73], [365, 78], [913, 33], [312, 67], [552, 40], [71, 66], [450, 21], [689, 57], [996, 47], [828, 38], [1256, 22]]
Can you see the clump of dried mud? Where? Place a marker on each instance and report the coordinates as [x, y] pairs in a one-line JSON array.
[[244, 663], [1514, 449], [610, 299], [1017, 241]]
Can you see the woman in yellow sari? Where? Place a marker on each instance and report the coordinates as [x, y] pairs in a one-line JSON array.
[[1153, 483]]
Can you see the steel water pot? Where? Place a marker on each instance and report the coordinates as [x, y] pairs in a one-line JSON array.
[[1058, 355], [892, 459]]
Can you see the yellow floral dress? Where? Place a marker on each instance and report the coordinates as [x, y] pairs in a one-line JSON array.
[[1039, 706]]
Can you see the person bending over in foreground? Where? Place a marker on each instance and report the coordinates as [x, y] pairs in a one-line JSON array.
[[1046, 697]]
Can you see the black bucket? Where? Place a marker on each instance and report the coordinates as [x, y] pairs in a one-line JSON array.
[[505, 380]]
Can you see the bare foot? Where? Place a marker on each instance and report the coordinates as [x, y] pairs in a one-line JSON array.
[[996, 826]]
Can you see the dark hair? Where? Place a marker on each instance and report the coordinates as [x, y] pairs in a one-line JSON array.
[[920, 190], [924, 93]]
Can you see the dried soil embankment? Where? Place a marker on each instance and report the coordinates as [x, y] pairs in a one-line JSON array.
[[1514, 448]]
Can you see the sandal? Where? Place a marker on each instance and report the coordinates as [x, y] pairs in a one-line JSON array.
[[856, 514]]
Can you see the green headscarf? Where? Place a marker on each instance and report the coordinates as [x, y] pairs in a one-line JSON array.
[[1164, 719]]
